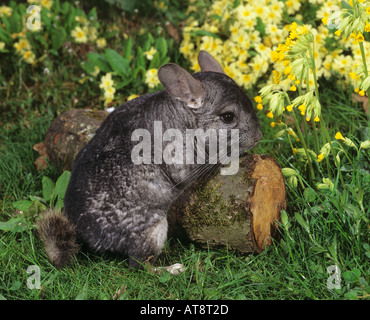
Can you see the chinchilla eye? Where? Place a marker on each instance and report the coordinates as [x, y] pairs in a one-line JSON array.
[[227, 117]]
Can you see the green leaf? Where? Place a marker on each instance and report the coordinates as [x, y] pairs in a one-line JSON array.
[[13, 225], [148, 43], [285, 219], [58, 37], [128, 49], [118, 63], [61, 184], [352, 295], [302, 222], [100, 61], [22, 205], [48, 186], [59, 204], [154, 63], [16, 285], [36, 208], [161, 46], [309, 194], [88, 66], [140, 60], [201, 33]]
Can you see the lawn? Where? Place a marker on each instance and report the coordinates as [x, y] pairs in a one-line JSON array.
[[310, 87]]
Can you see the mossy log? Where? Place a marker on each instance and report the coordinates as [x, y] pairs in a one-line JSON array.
[[239, 211], [69, 133]]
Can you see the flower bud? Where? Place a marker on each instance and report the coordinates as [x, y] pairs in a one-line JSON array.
[[365, 144], [288, 172]]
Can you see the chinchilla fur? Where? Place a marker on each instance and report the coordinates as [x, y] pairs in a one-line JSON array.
[[115, 205]]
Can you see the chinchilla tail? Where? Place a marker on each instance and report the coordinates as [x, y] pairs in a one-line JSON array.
[[58, 236]]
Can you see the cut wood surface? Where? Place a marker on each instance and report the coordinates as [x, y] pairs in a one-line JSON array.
[[238, 211]]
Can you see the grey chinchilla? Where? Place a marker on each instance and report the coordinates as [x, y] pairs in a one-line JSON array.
[[115, 205]]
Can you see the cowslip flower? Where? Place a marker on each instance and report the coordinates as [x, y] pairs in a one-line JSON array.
[[258, 99], [338, 136]]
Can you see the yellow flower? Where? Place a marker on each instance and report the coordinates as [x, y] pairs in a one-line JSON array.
[[259, 106], [367, 27], [46, 3], [287, 70], [289, 108], [338, 136], [5, 11], [150, 54], [357, 90], [362, 93], [151, 78], [106, 82], [302, 108], [368, 10], [273, 124], [131, 97], [79, 35], [2, 45], [29, 56], [293, 88], [338, 32], [352, 75], [258, 99], [320, 157], [317, 119], [294, 150], [22, 45], [270, 115], [101, 43], [360, 37]]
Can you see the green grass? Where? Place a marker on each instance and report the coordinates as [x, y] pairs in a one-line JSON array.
[[323, 227], [294, 267]]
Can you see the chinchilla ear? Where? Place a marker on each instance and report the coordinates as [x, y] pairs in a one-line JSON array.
[[208, 63], [181, 85]]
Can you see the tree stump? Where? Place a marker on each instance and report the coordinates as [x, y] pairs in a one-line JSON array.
[[239, 211]]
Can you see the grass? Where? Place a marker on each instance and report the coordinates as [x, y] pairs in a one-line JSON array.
[[323, 228], [294, 267]]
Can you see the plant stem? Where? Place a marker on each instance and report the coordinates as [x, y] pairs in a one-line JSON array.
[[312, 173]]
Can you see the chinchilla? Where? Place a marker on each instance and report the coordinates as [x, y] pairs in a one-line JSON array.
[[114, 204]]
